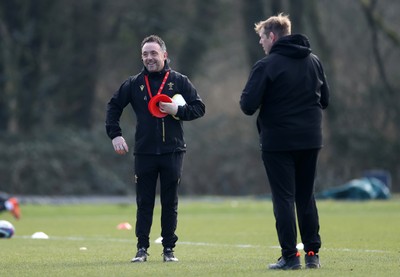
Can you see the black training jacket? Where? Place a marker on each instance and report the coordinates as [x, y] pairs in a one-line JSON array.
[[154, 135], [289, 88]]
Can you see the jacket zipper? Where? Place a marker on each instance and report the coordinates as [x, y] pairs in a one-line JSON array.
[[163, 130]]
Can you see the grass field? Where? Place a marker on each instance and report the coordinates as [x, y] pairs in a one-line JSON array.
[[217, 237]]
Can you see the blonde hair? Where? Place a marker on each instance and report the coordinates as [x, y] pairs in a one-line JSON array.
[[280, 25]]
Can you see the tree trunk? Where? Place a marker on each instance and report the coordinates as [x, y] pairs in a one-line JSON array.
[[252, 13]]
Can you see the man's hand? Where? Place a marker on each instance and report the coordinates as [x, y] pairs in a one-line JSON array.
[[169, 108], [120, 145]]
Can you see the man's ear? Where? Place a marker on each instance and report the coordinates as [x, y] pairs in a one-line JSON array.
[[165, 55], [272, 36]]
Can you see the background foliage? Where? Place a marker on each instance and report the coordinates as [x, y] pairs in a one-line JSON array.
[[61, 61]]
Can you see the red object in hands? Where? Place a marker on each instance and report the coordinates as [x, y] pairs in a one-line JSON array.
[[153, 105]]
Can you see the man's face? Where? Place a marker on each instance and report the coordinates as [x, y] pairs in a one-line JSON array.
[[266, 41], [153, 56]]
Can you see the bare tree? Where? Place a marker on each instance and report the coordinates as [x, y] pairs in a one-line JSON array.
[[196, 43], [20, 66], [76, 89], [252, 13], [377, 25], [49, 63], [297, 11], [276, 6]]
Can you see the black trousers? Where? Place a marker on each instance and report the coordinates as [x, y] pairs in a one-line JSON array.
[[148, 168], [291, 176]]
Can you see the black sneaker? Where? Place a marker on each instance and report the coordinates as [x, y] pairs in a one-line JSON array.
[[168, 255], [141, 256], [286, 263], [312, 260]]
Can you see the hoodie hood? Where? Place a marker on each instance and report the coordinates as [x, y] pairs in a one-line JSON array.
[[294, 46]]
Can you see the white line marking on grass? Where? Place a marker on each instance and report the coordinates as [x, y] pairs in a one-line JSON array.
[[278, 247], [81, 238], [218, 244], [200, 244], [355, 250]]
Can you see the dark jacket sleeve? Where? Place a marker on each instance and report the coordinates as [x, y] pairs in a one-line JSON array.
[[115, 106], [253, 92], [194, 107], [324, 89], [325, 93]]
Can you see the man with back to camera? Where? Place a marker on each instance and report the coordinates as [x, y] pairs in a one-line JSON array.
[[289, 88], [159, 142]]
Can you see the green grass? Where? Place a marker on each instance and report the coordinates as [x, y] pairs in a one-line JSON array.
[[217, 237]]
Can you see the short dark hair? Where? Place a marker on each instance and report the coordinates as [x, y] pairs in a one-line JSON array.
[[156, 39]]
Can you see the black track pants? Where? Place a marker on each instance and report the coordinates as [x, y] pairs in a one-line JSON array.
[[148, 168], [291, 176]]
